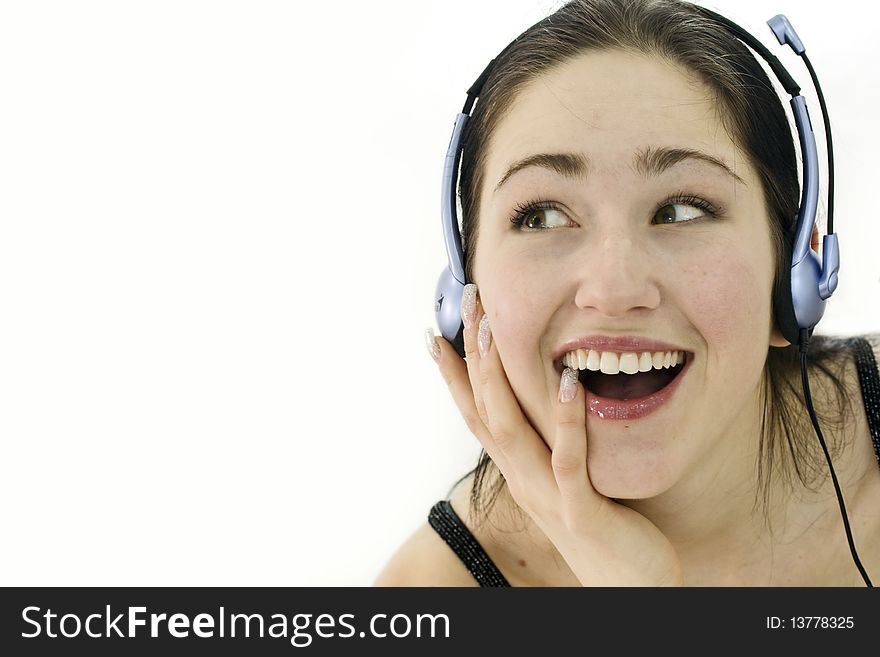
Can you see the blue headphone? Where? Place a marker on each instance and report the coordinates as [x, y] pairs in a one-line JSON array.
[[800, 300]]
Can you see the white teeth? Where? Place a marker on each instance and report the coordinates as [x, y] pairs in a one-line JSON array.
[[658, 360], [628, 362], [609, 363]]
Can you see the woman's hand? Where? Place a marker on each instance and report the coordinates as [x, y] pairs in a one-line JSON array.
[[603, 542]]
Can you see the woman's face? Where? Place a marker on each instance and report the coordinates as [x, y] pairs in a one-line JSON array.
[[605, 262]]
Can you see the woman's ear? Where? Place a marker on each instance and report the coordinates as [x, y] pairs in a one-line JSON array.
[[776, 337]]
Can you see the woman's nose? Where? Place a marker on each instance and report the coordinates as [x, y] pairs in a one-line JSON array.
[[617, 275]]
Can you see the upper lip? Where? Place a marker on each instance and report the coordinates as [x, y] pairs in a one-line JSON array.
[[619, 344]]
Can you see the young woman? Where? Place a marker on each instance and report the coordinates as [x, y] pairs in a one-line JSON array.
[[628, 185]]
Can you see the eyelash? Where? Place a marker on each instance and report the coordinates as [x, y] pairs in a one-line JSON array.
[[523, 210]]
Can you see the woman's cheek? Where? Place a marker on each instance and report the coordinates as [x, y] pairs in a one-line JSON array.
[[520, 305], [728, 301], [518, 316]]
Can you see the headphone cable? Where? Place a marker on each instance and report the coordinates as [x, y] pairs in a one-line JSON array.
[[804, 344]]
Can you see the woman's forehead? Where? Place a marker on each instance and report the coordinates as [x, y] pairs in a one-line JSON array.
[[610, 106]]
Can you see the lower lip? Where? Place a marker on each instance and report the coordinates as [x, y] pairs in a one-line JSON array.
[[605, 408]]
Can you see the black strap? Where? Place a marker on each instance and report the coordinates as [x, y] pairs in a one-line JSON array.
[[446, 522], [869, 379]]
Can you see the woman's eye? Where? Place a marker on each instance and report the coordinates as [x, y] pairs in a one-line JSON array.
[[676, 213], [680, 209], [539, 219]]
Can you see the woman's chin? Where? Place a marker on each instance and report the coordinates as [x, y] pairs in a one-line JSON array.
[[635, 482]]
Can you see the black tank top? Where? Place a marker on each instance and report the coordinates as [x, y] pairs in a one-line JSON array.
[[446, 522]]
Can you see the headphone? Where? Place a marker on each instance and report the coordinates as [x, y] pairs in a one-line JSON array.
[[799, 301], [803, 288]]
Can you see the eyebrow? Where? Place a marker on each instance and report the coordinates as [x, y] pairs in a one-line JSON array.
[[648, 162]]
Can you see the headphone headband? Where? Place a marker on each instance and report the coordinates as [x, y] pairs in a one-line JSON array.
[[805, 286]]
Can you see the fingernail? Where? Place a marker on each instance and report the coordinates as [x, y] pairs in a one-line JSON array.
[[469, 305], [484, 337], [433, 347], [567, 385]]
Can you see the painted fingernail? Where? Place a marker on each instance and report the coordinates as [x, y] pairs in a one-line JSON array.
[[433, 347], [484, 337], [469, 305], [567, 385]]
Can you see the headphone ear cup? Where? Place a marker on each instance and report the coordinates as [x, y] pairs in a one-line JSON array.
[[447, 310], [801, 291], [783, 306]]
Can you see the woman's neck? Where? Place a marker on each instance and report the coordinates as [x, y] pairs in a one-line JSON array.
[[726, 534]]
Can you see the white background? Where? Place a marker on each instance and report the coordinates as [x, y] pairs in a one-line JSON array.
[[219, 241]]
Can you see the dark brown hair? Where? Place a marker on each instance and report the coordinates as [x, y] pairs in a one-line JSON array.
[[751, 112]]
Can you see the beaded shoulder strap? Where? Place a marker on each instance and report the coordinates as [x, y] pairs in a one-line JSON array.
[[446, 522], [869, 379]]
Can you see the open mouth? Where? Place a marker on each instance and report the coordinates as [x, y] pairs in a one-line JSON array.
[[628, 386], [623, 386]]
